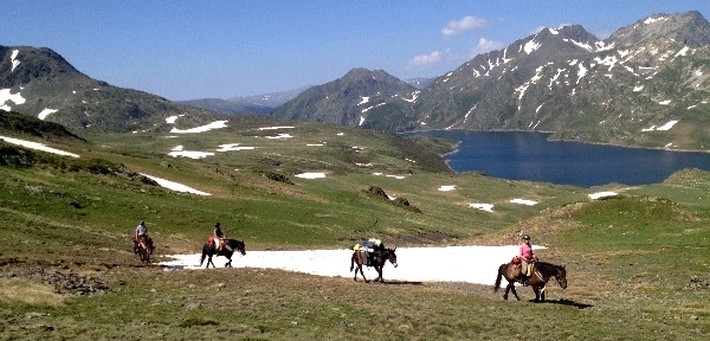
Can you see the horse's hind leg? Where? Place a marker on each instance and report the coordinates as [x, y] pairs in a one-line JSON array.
[[514, 291], [359, 266]]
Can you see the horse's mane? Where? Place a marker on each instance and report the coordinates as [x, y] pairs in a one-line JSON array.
[[548, 267]]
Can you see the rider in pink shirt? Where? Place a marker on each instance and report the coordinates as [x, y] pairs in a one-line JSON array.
[[527, 257]]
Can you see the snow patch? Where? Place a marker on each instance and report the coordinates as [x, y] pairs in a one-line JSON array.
[[599, 195], [46, 112], [14, 61], [523, 202], [229, 147], [6, 95], [201, 129], [411, 261], [311, 175], [447, 188], [482, 206], [171, 185], [37, 146]]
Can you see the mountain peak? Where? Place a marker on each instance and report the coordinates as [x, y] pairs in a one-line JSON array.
[[687, 28]]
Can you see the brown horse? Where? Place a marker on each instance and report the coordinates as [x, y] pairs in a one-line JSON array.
[[378, 261], [210, 249], [144, 248], [541, 273]]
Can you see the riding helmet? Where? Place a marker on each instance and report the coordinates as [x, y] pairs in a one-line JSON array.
[[526, 237], [216, 224]]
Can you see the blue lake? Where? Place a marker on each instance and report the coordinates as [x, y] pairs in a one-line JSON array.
[[530, 156]]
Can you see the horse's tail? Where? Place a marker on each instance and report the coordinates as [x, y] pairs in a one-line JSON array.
[[498, 278], [352, 263]]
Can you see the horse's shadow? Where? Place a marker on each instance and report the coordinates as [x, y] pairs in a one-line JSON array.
[[567, 302], [397, 282]]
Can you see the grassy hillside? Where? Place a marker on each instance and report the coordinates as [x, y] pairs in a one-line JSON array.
[[638, 263]]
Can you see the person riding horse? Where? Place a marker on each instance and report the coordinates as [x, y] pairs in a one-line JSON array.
[[141, 230], [527, 258], [371, 247], [219, 237]]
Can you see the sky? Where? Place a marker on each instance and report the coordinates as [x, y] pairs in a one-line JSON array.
[[184, 50]]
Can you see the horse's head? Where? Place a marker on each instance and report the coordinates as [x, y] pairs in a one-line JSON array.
[[391, 256], [239, 246], [561, 276]]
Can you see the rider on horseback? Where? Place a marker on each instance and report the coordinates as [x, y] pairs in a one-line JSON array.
[[219, 237], [370, 247], [527, 257], [141, 230]]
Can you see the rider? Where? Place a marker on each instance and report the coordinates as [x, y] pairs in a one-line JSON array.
[[218, 236], [371, 246], [141, 230], [527, 258]]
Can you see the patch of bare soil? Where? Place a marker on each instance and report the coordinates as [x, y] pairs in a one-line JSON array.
[[62, 277]]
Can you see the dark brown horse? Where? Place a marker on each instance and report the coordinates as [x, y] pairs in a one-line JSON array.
[[144, 248], [378, 261], [209, 249], [541, 273]]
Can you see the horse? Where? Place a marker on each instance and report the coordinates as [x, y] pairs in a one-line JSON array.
[[209, 249], [378, 261], [144, 248], [541, 273]]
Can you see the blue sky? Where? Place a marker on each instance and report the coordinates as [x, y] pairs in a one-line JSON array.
[[222, 49]]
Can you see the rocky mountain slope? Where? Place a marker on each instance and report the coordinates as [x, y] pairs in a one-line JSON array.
[[347, 100], [646, 85], [40, 83]]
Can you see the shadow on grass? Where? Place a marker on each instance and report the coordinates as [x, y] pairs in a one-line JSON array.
[[396, 282], [569, 303]]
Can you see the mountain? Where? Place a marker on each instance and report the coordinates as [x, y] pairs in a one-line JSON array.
[[227, 106], [349, 100], [645, 85], [629, 89], [258, 104], [39, 82], [420, 82], [271, 99]]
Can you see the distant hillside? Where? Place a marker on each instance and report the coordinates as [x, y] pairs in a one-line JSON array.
[[38, 82], [16, 124], [348, 100], [419, 83], [227, 106], [258, 104], [271, 99]]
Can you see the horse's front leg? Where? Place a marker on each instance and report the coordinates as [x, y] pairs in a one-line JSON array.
[[536, 289], [379, 274]]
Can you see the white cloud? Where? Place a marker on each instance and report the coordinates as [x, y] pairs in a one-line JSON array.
[[484, 45], [425, 59], [467, 23]]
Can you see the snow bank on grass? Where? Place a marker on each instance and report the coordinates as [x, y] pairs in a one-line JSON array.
[[471, 264]]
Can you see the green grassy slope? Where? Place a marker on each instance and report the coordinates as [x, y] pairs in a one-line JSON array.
[[637, 263]]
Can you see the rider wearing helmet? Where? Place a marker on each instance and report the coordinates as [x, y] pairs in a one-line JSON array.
[[219, 237], [527, 257]]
